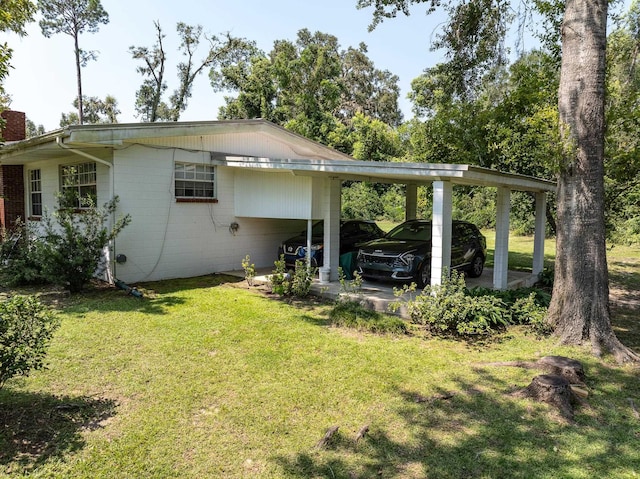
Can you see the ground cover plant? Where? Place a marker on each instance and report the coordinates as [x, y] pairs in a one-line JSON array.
[[207, 377]]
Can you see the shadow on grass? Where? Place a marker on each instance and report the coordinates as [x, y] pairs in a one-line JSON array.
[[39, 427], [626, 325], [157, 296], [481, 430], [184, 284]]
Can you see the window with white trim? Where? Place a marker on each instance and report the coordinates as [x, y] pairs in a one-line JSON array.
[[193, 180], [77, 183], [35, 193]]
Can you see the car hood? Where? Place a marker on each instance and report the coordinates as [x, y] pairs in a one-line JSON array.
[[302, 240], [389, 246]]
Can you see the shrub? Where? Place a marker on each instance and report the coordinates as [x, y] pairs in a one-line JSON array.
[[528, 311], [279, 279], [73, 242], [449, 309], [527, 306], [26, 327], [249, 270], [352, 314], [20, 257], [297, 284]]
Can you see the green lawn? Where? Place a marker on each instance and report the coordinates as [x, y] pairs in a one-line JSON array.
[[207, 378]]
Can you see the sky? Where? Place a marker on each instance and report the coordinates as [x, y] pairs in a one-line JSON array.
[[42, 82]]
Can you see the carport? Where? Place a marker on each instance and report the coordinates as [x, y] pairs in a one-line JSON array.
[[315, 186]]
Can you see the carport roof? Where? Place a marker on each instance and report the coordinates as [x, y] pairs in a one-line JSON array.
[[390, 172]]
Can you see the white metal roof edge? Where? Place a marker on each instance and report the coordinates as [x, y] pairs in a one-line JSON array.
[[409, 172], [117, 134]]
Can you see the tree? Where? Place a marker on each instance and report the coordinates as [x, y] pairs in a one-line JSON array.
[[622, 182], [149, 104], [73, 17], [223, 51], [33, 129], [580, 304], [580, 301], [96, 111], [14, 15], [310, 86]]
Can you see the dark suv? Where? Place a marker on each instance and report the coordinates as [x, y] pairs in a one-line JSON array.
[[404, 254], [352, 233]]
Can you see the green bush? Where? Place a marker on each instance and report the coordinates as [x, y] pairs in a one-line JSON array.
[[527, 306], [26, 327], [73, 242], [528, 311], [449, 309], [351, 314], [20, 257], [297, 284]]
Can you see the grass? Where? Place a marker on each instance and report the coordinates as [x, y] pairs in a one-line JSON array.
[[207, 378]]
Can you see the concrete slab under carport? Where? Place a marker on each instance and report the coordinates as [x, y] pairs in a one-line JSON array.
[[378, 295]]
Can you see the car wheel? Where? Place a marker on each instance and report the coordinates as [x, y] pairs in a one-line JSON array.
[[424, 275], [477, 266]]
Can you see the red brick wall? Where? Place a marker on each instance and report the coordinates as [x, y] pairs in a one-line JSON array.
[[12, 204], [16, 126]]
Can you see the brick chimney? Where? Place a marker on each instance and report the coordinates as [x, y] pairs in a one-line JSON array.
[[12, 204], [15, 128]]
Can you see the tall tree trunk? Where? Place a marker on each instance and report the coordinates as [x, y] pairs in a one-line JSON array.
[[580, 303], [79, 80]]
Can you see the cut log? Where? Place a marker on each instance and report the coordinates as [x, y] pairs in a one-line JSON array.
[[327, 437], [361, 433], [554, 390], [568, 368], [579, 391]]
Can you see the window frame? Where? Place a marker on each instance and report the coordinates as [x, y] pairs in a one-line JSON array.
[[86, 170], [35, 191], [194, 182]]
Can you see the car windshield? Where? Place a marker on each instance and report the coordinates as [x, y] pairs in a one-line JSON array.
[[411, 232]]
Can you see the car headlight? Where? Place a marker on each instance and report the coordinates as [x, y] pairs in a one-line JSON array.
[[407, 258]]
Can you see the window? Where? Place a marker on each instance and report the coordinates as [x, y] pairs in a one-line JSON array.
[[195, 181], [35, 193], [78, 182]]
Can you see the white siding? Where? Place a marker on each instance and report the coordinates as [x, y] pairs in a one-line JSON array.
[[273, 195], [167, 239], [50, 181]]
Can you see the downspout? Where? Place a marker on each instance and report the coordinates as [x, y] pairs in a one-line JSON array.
[[60, 143]]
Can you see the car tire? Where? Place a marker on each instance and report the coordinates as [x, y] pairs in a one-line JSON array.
[[476, 267], [424, 275]]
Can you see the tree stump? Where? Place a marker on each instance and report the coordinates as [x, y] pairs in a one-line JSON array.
[[568, 368], [554, 390]]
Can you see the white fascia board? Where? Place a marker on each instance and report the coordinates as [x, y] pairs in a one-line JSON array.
[[391, 172]]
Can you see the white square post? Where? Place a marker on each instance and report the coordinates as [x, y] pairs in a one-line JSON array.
[[331, 248], [441, 230], [539, 235], [501, 253], [411, 202]]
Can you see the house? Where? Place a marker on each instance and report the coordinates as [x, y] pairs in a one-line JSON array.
[[203, 195]]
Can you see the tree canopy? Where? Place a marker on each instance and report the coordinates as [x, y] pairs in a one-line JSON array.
[[73, 18]]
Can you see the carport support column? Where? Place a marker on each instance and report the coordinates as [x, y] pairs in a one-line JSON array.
[[411, 202], [501, 253], [441, 230], [538, 240], [332, 227]]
